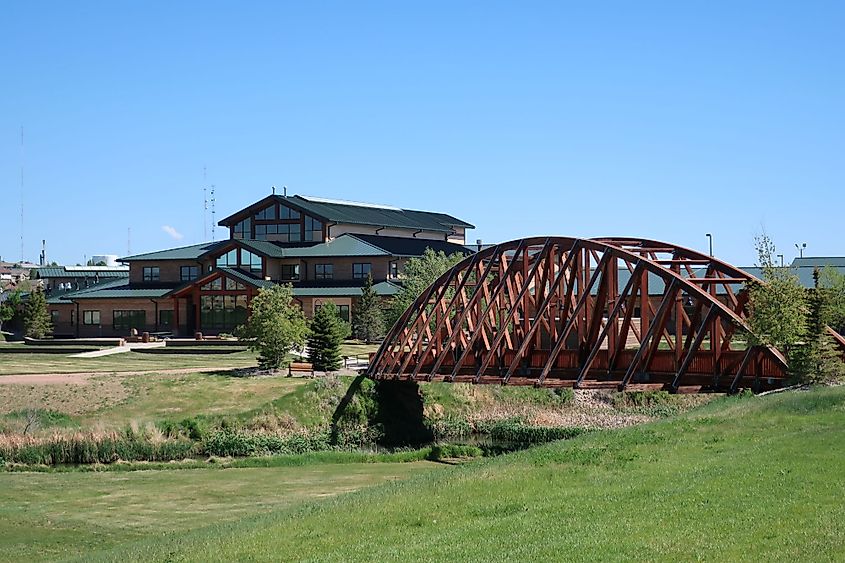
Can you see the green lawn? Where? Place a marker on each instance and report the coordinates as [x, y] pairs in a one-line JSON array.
[[113, 401], [128, 361], [57, 515], [757, 479]]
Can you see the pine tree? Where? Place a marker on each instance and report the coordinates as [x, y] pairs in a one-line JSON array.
[[36, 320], [367, 318], [327, 331]]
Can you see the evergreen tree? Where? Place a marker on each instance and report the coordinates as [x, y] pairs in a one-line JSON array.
[[327, 332], [36, 320], [275, 326], [367, 318]]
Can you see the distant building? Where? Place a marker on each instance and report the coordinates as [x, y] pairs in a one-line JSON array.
[[324, 248]]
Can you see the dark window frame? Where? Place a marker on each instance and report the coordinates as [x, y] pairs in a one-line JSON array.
[[151, 273], [287, 276], [88, 317], [327, 272], [359, 272], [129, 319], [193, 273]]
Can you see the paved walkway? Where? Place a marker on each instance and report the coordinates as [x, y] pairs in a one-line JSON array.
[[118, 349]]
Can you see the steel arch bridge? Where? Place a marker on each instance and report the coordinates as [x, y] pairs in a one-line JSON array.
[[604, 312]]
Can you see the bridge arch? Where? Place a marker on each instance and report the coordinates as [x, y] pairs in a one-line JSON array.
[[603, 312]]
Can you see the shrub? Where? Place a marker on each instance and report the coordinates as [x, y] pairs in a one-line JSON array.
[[445, 451]]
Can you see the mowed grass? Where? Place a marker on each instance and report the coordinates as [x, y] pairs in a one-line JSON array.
[[128, 361], [59, 515], [758, 478], [113, 401]]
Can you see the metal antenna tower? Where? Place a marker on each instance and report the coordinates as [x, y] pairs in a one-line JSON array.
[[213, 220], [22, 252], [129, 241], [204, 207]]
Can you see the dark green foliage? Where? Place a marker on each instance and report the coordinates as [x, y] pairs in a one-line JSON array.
[[367, 317], [417, 275], [327, 333], [276, 325], [79, 448], [36, 320], [452, 451], [818, 357], [9, 308], [516, 432], [237, 444]]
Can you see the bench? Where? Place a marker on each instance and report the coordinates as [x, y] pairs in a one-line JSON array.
[[300, 367]]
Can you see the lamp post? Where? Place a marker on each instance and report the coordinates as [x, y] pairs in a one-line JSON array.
[[710, 238], [781, 260], [801, 248]]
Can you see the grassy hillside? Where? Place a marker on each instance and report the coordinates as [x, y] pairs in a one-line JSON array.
[[753, 478], [53, 515]]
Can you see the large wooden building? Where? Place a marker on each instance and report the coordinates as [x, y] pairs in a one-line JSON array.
[[325, 248]]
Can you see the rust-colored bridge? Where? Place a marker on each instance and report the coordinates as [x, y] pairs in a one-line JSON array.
[[607, 312]]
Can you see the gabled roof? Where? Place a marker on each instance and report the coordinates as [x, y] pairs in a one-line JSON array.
[[350, 212], [119, 288], [244, 277]]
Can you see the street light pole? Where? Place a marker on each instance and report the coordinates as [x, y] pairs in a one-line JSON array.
[[801, 248], [710, 237], [781, 260]]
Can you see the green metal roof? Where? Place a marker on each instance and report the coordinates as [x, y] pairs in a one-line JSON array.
[[358, 213], [381, 288], [63, 272], [819, 261], [244, 277], [122, 290], [192, 252]]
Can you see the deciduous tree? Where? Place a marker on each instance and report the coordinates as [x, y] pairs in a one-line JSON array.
[[418, 274], [275, 326]]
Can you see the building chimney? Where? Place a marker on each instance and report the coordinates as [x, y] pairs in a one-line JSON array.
[[478, 244], [285, 191]]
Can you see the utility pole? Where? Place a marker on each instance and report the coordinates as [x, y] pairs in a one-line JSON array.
[[710, 237]]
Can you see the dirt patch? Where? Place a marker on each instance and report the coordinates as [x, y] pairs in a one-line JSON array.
[[80, 395], [82, 377]]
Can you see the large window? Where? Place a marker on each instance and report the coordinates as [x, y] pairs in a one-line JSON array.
[[313, 229], [394, 269], [54, 317], [165, 319], [223, 312], [214, 285], [151, 273], [252, 262], [361, 271], [90, 317], [127, 320], [228, 260], [189, 273], [288, 213], [232, 285], [243, 229], [290, 272], [266, 213], [323, 271]]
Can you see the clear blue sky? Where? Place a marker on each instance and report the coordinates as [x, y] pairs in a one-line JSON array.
[[662, 120]]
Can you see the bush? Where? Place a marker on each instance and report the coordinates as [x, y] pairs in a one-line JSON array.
[[446, 451], [237, 444]]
